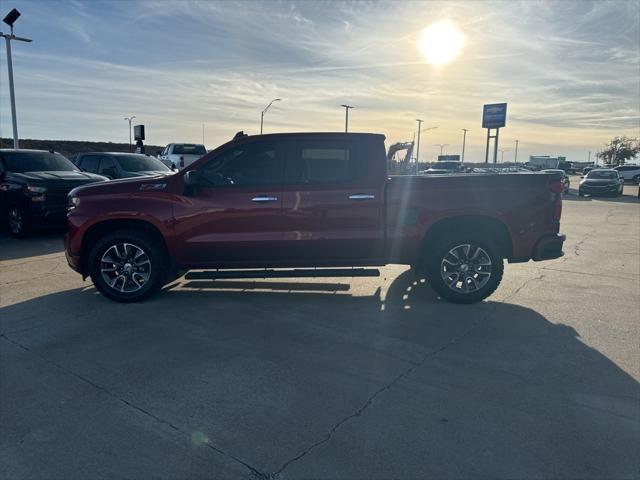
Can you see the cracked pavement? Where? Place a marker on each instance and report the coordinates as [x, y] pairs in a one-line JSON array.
[[339, 378]]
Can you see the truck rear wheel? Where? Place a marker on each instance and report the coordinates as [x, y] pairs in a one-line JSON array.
[[127, 266], [465, 270]]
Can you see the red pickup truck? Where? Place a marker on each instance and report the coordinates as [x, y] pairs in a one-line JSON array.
[[303, 201]]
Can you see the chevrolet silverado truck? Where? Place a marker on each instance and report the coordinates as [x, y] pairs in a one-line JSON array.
[[310, 204]]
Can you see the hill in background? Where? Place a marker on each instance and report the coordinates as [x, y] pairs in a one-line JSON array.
[[70, 147]]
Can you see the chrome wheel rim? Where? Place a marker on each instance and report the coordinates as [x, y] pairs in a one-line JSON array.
[[125, 267], [16, 221], [466, 268]]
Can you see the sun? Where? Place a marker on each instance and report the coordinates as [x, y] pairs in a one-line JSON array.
[[441, 42]]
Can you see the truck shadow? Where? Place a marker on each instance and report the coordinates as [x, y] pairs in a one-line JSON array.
[[296, 350]]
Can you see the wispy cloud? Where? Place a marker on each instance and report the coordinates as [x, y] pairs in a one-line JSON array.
[[568, 70]]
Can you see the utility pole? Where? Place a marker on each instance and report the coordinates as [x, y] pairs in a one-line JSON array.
[[130, 119], [502, 150], [464, 140], [10, 19], [589, 158], [515, 157], [265, 111], [418, 146], [346, 116]]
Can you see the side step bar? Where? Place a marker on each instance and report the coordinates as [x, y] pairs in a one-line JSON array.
[[294, 273]]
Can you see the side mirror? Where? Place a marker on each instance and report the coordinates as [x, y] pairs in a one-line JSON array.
[[190, 183]]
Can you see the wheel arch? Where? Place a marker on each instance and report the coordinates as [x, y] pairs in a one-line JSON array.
[[97, 230], [487, 226]]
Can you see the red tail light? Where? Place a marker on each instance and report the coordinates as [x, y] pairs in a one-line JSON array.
[[181, 162], [556, 187]]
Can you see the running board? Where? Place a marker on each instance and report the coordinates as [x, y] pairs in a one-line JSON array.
[[295, 273]]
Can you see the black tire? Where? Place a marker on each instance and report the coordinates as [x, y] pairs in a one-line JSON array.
[[18, 221], [153, 257], [441, 255], [580, 193]]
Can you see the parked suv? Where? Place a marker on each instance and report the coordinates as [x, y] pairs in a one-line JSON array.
[[308, 200], [33, 188], [181, 155], [629, 173], [120, 165]]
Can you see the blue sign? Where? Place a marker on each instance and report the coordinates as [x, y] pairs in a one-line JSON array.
[[494, 115]]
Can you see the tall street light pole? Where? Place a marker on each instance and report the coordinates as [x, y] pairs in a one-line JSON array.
[[441, 145], [464, 141], [265, 111], [10, 19], [515, 156], [130, 119], [502, 150], [346, 116], [418, 145]]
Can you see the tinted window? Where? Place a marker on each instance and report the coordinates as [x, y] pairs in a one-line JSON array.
[[21, 162], [188, 149], [107, 167], [249, 164], [140, 163], [602, 174], [326, 161], [89, 163]]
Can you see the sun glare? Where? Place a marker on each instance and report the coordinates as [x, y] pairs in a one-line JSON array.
[[441, 42]]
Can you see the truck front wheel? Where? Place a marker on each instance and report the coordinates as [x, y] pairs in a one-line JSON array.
[[127, 265], [465, 270]]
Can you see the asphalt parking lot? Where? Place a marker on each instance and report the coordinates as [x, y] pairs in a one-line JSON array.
[[340, 378]]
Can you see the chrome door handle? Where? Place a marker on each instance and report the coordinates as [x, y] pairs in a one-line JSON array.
[[264, 199], [362, 196]]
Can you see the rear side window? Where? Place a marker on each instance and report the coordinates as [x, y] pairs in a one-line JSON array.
[[89, 163], [188, 149], [326, 161]]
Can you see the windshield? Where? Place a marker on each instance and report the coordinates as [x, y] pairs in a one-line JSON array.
[[604, 174], [188, 149], [22, 162], [141, 163]]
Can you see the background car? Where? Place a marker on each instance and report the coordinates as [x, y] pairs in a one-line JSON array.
[[181, 155], [120, 165], [601, 181], [566, 183], [34, 185], [629, 173]]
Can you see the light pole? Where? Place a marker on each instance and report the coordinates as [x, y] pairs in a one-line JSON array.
[[502, 150], [265, 111], [346, 116], [464, 141], [130, 119], [418, 145], [515, 157], [441, 145], [10, 19]]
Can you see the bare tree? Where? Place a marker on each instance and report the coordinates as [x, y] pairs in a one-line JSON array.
[[619, 150]]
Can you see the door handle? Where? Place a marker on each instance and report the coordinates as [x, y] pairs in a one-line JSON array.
[[361, 196], [264, 199]]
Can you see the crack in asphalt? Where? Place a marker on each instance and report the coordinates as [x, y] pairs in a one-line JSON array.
[[257, 474], [277, 475]]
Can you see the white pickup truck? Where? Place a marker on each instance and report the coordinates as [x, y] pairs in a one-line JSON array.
[[180, 155]]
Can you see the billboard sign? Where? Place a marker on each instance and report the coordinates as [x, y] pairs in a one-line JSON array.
[[494, 115], [448, 158]]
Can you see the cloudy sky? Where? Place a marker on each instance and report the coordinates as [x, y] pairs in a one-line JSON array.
[[570, 71]]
